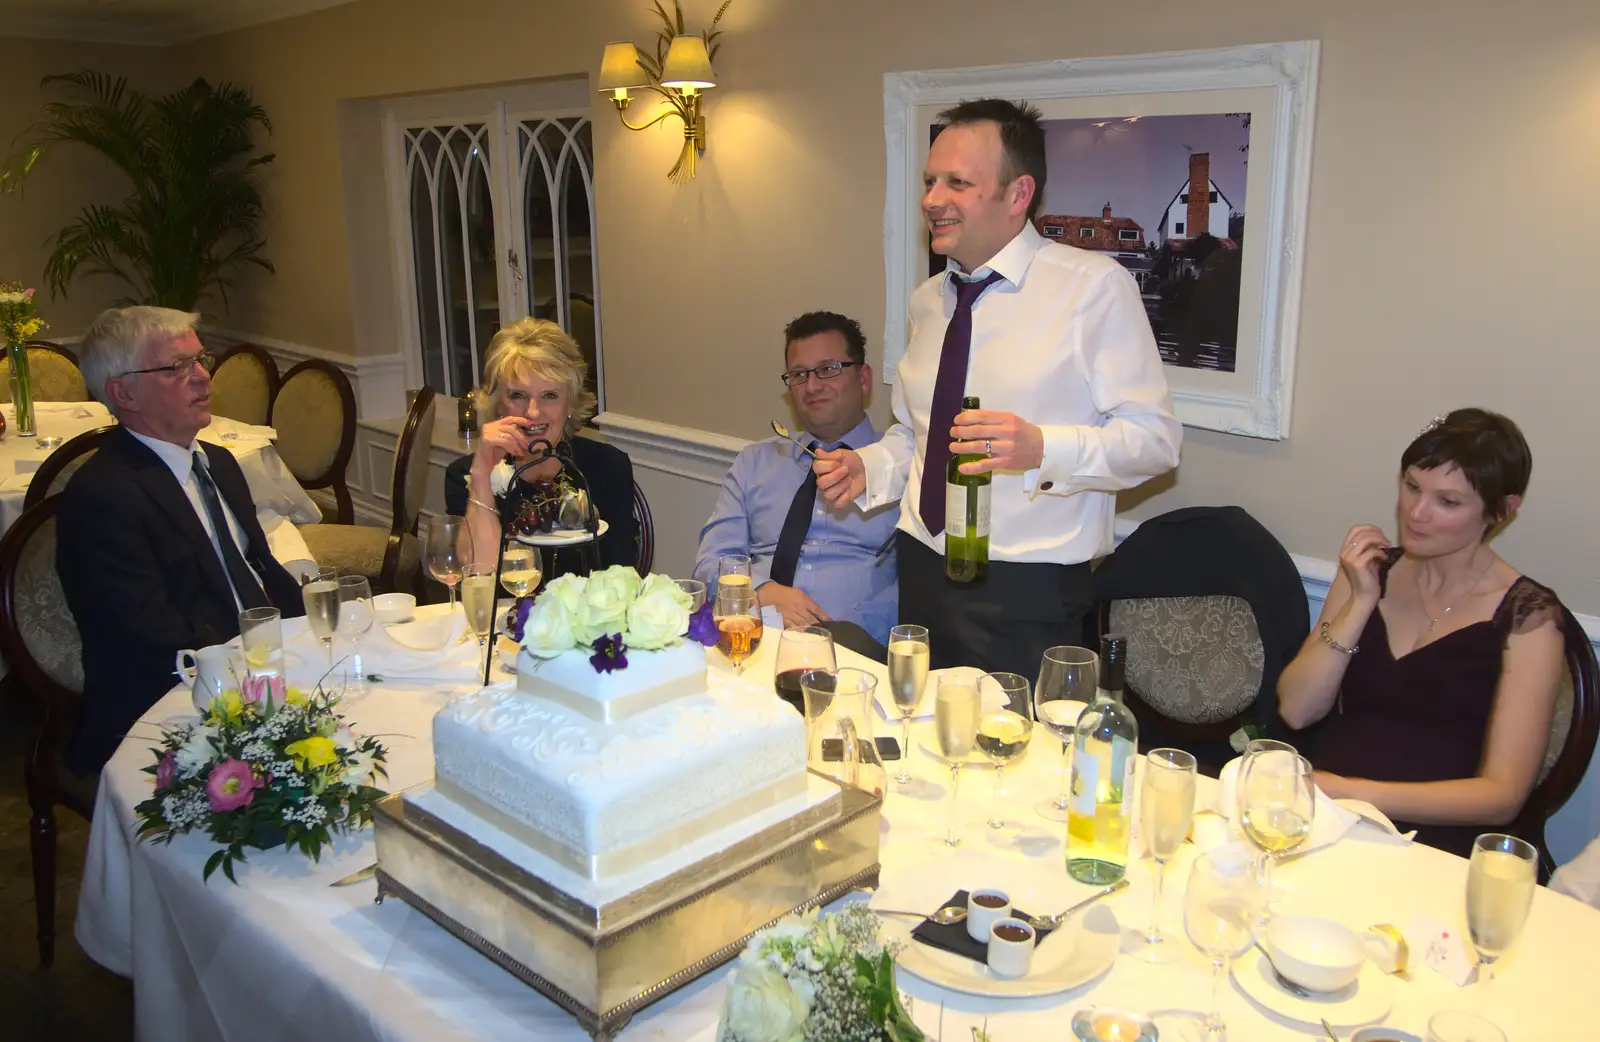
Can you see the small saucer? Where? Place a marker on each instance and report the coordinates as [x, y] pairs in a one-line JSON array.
[[1363, 1001]]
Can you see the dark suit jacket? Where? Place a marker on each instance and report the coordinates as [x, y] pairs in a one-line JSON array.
[[143, 582]]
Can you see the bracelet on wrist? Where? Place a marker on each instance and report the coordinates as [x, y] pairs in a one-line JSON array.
[[480, 503], [1335, 645]]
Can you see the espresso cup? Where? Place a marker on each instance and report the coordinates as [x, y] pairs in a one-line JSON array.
[[208, 671], [1010, 947], [984, 909]]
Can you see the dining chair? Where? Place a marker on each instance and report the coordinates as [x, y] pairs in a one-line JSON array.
[[314, 414], [1573, 732], [646, 554], [244, 383], [391, 558], [55, 373], [40, 640], [58, 467]]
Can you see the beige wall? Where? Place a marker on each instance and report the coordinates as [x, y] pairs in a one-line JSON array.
[[1445, 133], [67, 178]]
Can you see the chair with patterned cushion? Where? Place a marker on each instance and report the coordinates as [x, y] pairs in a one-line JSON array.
[[54, 370], [58, 467], [314, 414], [244, 383], [40, 641], [1573, 732], [646, 554], [391, 558]]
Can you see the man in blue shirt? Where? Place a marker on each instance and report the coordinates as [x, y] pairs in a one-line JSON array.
[[833, 566]]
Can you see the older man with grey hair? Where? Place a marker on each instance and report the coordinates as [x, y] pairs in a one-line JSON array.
[[159, 547]]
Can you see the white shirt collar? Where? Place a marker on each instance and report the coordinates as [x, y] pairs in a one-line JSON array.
[[178, 459], [1013, 259]]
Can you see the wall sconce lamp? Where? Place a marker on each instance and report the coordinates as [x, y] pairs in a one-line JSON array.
[[679, 71]]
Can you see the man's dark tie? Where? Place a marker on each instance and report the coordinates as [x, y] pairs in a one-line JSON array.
[[795, 526], [947, 388], [244, 581]]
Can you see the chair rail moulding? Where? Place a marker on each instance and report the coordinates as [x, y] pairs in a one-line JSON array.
[[379, 381], [1125, 139]]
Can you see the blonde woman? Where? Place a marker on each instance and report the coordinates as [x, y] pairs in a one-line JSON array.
[[533, 391]]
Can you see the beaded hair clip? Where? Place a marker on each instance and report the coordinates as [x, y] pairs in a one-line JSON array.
[[1435, 424]]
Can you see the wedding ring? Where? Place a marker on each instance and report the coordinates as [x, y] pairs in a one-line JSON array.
[[988, 447]]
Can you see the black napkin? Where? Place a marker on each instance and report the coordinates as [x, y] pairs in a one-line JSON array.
[[953, 937]]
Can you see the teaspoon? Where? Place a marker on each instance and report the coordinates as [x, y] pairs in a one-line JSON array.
[[783, 432]]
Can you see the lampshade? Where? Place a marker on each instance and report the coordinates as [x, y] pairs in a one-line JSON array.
[[687, 64], [619, 68]]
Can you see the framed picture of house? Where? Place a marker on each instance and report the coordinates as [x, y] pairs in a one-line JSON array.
[[1190, 169]]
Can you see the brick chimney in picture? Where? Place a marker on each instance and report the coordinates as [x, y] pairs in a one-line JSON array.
[[1105, 212], [1199, 222]]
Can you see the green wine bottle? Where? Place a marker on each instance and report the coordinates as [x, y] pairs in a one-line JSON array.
[[966, 517]]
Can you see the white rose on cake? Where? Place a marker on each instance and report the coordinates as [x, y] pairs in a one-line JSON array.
[[620, 579], [568, 589], [658, 618], [548, 631], [603, 609]]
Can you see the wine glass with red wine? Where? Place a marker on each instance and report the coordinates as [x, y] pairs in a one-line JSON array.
[[800, 649]]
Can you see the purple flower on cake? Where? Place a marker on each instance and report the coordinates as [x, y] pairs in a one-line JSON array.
[[519, 618], [703, 627], [609, 654], [231, 785]]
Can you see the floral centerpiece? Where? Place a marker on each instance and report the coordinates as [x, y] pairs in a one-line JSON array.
[[816, 978], [608, 613], [19, 321], [268, 766]]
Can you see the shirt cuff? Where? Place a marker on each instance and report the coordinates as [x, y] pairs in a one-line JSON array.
[[875, 462], [1063, 451]]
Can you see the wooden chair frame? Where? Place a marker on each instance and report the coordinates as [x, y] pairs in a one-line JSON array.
[[398, 526], [336, 476], [647, 532], [56, 462], [1549, 795], [52, 346]]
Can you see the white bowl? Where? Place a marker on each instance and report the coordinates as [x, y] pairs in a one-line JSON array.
[[1319, 954], [394, 607]]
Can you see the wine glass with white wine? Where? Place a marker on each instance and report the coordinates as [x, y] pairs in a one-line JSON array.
[[955, 720], [321, 597], [1067, 679], [1166, 807], [1005, 723], [521, 568], [1501, 879], [908, 675], [1277, 798]]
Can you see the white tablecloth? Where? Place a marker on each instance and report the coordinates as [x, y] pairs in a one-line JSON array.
[[280, 501], [283, 955]]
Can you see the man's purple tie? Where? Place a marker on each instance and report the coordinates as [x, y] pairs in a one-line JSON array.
[[947, 392]]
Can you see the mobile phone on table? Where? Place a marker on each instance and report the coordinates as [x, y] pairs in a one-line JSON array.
[[888, 748]]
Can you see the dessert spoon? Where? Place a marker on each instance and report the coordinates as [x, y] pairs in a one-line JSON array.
[[783, 432]]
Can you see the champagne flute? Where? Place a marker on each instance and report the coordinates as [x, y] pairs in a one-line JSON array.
[[799, 650], [733, 571], [1220, 906], [1005, 723], [321, 597], [521, 568], [908, 675], [1066, 685], [1500, 882], [1166, 806], [355, 618], [447, 548], [1277, 799], [696, 591], [738, 620], [955, 720], [477, 599]]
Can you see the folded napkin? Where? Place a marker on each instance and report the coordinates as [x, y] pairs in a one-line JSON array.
[[72, 410], [884, 699], [1329, 821], [236, 436], [953, 937]]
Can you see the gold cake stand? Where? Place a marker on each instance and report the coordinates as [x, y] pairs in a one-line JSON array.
[[604, 961]]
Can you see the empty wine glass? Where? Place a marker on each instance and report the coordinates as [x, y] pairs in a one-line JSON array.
[[1066, 686], [956, 709], [1277, 800], [799, 650], [447, 549], [1005, 723], [1220, 906], [1500, 882], [696, 591], [521, 568], [1166, 807], [908, 675], [355, 619]]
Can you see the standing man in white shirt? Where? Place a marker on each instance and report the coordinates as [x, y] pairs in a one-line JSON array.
[[1055, 343]]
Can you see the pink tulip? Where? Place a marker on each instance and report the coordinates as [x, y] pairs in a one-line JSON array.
[[231, 785], [264, 689], [27, 294], [166, 770]]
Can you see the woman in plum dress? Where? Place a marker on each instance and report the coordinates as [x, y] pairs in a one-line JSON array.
[[1434, 664]]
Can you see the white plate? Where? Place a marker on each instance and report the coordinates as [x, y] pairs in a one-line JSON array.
[[1364, 1001], [572, 538], [1077, 953]]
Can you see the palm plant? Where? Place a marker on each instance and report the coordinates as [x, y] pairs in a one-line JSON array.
[[191, 223]]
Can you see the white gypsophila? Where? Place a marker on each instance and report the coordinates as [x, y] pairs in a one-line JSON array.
[[256, 751], [185, 810]]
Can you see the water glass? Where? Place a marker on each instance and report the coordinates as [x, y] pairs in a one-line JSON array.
[[1500, 882], [1066, 686], [261, 638], [799, 650], [1220, 908], [1166, 807], [956, 709], [1005, 723], [838, 709], [355, 619], [908, 674]]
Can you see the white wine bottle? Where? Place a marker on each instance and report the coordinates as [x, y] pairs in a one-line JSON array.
[[1100, 806], [966, 516]]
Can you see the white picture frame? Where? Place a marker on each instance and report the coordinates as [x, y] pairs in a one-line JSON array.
[[1275, 82]]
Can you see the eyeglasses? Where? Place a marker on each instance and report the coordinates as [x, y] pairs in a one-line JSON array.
[[825, 371], [183, 368]]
